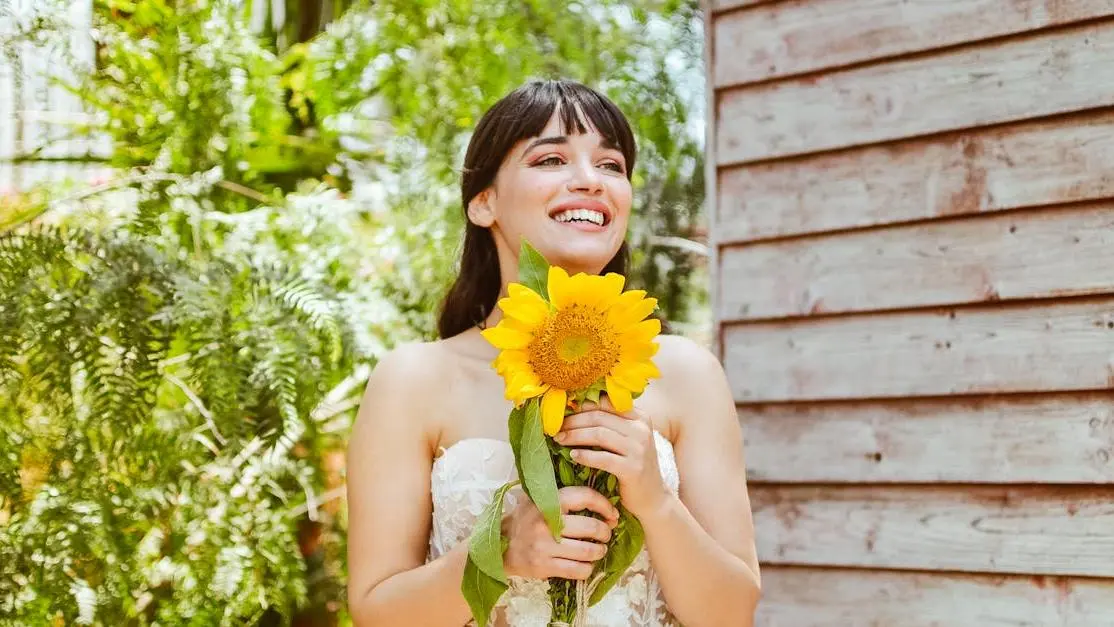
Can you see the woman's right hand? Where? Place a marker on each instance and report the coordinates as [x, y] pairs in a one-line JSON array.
[[532, 551]]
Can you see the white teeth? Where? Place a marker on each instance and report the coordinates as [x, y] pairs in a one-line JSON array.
[[587, 215]]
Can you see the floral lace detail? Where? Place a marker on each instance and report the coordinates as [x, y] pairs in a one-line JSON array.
[[466, 475]]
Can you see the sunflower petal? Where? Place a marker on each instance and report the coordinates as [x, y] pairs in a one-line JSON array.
[[639, 351], [560, 289], [522, 377], [553, 410], [510, 358], [629, 298], [643, 332], [520, 291], [510, 366], [612, 288], [518, 385], [525, 394], [629, 316], [634, 376], [503, 337], [585, 289], [528, 312], [524, 386], [619, 396]]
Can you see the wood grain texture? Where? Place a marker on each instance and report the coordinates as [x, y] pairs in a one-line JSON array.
[[725, 5], [1054, 439], [711, 211], [1036, 530], [1035, 253], [1056, 72], [1036, 347], [1020, 165], [807, 597], [801, 36]]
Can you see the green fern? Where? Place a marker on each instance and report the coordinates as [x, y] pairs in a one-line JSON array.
[[134, 384]]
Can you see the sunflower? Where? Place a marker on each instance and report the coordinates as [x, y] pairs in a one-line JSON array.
[[588, 334]]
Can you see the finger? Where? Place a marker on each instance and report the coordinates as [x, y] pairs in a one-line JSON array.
[[602, 437], [605, 405], [601, 460], [577, 498], [579, 550], [596, 418], [585, 528], [571, 569]]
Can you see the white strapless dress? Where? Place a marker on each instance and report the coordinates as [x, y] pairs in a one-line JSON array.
[[466, 475]]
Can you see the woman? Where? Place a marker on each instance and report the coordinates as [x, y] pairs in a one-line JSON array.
[[551, 162]]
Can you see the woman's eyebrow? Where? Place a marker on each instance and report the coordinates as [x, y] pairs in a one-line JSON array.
[[544, 141], [564, 139]]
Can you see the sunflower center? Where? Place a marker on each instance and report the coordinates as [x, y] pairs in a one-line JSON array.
[[575, 348]]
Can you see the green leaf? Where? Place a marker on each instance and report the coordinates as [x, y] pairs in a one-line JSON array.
[[485, 547], [481, 591], [591, 393], [583, 472], [624, 547], [515, 424], [612, 483], [533, 270], [537, 468], [565, 471]]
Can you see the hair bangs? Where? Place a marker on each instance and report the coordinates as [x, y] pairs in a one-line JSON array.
[[578, 102]]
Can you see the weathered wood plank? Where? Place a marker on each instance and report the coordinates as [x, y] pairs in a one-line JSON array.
[[806, 597], [1009, 81], [1035, 253], [1009, 167], [1037, 347], [796, 37], [1011, 439], [1037, 530], [724, 5], [710, 169]]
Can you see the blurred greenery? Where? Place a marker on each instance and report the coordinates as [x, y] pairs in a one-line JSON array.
[[182, 347]]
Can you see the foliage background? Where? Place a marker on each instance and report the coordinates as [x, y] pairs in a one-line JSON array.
[[182, 346]]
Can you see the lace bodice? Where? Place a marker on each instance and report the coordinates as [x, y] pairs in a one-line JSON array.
[[466, 475]]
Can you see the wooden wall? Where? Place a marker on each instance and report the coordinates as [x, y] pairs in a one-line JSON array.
[[913, 234]]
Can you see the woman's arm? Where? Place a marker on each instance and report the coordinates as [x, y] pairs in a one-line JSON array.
[[390, 508], [701, 544]]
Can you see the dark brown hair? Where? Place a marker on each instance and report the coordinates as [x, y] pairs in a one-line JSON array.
[[519, 115]]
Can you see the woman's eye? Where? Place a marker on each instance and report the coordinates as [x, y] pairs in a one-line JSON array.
[[549, 161], [617, 167]]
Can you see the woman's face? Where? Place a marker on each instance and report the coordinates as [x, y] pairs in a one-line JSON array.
[[568, 195]]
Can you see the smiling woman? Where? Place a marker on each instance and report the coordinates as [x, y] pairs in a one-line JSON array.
[[549, 164]]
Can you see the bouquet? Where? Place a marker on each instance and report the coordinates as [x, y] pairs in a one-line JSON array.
[[563, 340]]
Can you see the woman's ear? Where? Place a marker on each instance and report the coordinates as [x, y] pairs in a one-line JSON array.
[[480, 211]]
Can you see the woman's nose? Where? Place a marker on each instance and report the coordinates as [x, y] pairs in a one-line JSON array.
[[585, 179]]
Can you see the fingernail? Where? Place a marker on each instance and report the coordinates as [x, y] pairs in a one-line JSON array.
[[560, 437]]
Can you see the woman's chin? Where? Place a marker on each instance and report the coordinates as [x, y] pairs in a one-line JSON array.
[[589, 260]]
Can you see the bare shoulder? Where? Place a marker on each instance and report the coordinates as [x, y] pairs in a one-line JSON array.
[[407, 368], [686, 366], [396, 399], [695, 384]]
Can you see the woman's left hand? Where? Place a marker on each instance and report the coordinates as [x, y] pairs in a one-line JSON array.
[[629, 452]]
